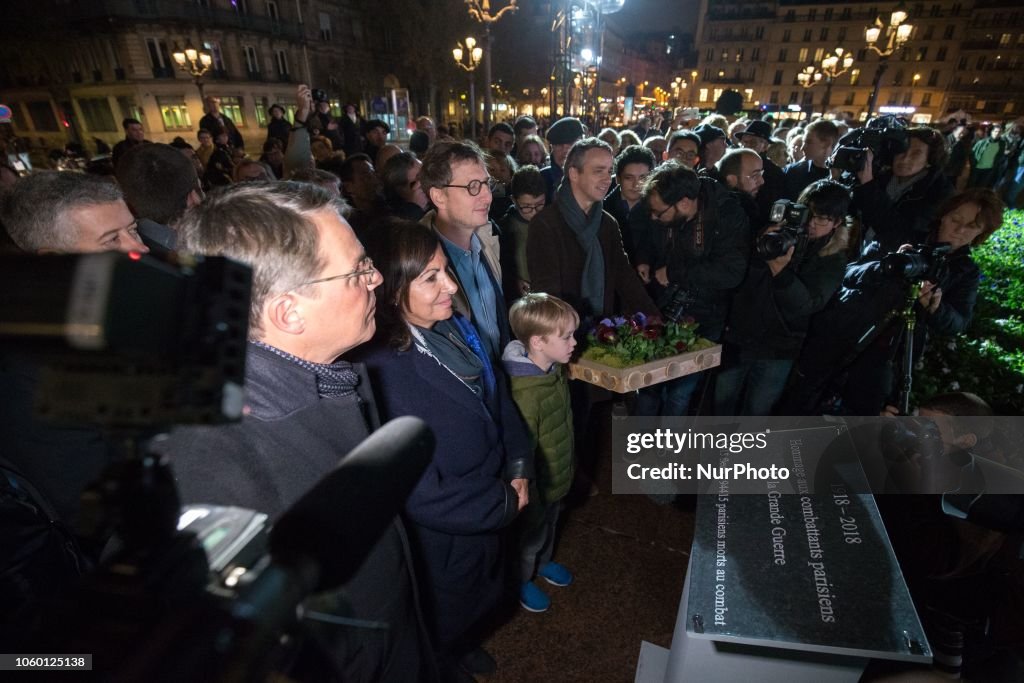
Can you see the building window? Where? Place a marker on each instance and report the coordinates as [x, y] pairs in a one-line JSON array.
[[218, 57], [159, 58], [854, 76], [97, 115], [828, 14], [933, 79], [793, 96], [790, 16], [823, 35], [846, 13], [1004, 40], [174, 113], [749, 92], [716, 93], [849, 98], [43, 119], [325, 27], [807, 35], [842, 34], [707, 74], [936, 11], [703, 94], [725, 55], [773, 98], [922, 54], [272, 10], [812, 14], [940, 56], [926, 99], [961, 64], [819, 54], [709, 56], [898, 78], [929, 33], [908, 98], [755, 54], [759, 32], [281, 61], [782, 55], [981, 63], [241, 6], [129, 109], [948, 35], [786, 35], [739, 54], [955, 11], [252, 62], [262, 116], [232, 107], [778, 77], [803, 55]]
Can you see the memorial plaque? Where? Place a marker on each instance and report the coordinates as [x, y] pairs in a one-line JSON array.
[[804, 571]]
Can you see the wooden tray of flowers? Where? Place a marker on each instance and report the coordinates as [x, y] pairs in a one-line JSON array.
[[626, 354]]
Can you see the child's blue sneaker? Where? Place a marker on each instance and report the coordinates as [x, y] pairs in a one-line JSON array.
[[555, 574], [532, 598]]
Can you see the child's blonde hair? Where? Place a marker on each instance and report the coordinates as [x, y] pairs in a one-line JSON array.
[[539, 314]]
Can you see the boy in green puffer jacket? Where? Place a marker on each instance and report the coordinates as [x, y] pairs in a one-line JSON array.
[[536, 366]]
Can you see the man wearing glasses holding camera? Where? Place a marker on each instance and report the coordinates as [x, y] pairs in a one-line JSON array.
[[454, 176]]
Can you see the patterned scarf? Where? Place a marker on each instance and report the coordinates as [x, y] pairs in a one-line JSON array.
[[332, 379]]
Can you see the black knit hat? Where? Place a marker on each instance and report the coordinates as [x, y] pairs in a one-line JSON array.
[[565, 131]]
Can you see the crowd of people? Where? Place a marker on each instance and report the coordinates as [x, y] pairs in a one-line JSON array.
[[452, 281]]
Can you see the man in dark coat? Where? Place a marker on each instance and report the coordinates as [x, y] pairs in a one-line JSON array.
[[574, 248], [819, 139], [561, 136], [305, 408], [214, 120], [707, 246], [757, 136]]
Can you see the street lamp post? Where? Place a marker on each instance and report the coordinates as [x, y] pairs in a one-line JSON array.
[[193, 62], [808, 78], [473, 54], [834, 65], [481, 11], [897, 33]]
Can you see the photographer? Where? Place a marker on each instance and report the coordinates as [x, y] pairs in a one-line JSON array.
[[861, 332], [793, 274], [706, 237], [898, 204]]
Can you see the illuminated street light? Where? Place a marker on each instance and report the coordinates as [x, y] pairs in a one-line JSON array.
[[897, 34], [481, 11], [193, 62], [834, 65], [474, 54]]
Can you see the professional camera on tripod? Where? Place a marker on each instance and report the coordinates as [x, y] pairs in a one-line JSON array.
[[885, 137], [127, 346], [922, 263]]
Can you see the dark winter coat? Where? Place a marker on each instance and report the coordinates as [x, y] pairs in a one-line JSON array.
[[708, 256], [770, 315], [556, 262], [907, 220], [289, 439], [464, 499], [800, 174]]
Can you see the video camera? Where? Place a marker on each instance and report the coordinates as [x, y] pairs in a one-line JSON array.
[[923, 262], [794, 218], [885, 136], [319, 95], [675, 301], [127, 346]]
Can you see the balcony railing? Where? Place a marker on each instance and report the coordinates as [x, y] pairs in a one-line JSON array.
[[175, 10]]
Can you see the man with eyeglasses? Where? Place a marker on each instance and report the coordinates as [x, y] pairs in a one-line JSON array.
[[757, 136], [772, 309], [454, 176], [312, 302], [742, 171], [703, 243], [527, 201], [683, 148], [625, 204]]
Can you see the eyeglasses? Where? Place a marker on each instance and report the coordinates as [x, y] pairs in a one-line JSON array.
[[530, 208], [680, 154], [822, 219], [366, 271], [473, 187], [657, 215]]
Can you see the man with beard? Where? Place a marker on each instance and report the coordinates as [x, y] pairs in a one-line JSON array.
[[742, 171], [757, 136], [708, 246]]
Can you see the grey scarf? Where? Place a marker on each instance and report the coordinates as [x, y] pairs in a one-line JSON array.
[[586, 229]]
